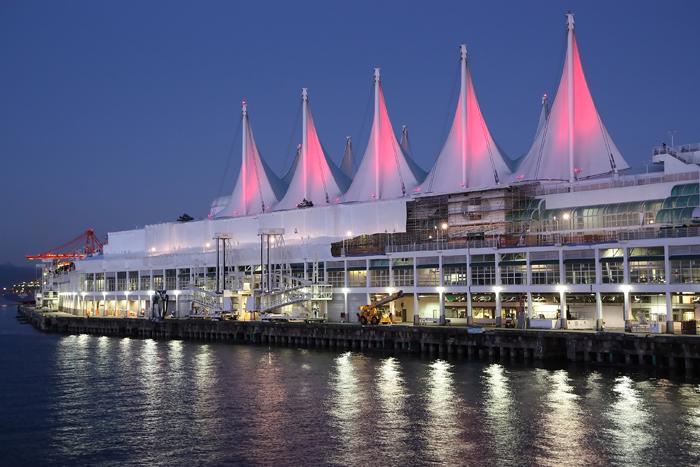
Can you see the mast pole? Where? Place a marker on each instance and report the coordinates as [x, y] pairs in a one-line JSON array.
[[377, 122], [244, 163], [570, 90], [304, 142], [463, 110]]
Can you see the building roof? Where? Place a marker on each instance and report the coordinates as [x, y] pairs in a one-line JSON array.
[[469, 158], [385, 172], [316, 178], [573, 143], [257, 188]]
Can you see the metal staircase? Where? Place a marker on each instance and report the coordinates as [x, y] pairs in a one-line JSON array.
[[290, 290]]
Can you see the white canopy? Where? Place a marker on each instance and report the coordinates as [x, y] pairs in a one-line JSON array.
[[316, 178], [385, 171], [347, 165], [257, 187], [470, 157], [573, 143]]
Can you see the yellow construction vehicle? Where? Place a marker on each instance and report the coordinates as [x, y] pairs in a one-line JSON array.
[[374, 313]]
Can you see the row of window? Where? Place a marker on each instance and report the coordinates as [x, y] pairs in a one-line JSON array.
[[683, 271]]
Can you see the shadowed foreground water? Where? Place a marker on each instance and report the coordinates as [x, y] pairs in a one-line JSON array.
[[113, 401]]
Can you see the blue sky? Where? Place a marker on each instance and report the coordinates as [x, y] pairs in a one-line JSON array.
[[118, 114]]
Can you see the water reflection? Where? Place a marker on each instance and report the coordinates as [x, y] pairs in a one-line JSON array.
[[442, 432], [499, 409], [346, 408], [392, 423], [563, 429], [630, 428]]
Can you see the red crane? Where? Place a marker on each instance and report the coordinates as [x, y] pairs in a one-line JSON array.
[[83, 245]]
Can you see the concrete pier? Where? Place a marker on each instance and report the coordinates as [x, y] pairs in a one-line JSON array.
[[508, 345]]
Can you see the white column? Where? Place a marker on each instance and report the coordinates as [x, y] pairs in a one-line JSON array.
[[470, 310], [377, 136], [441, 291], [669, 313], [599, 311], [570, 91], [669, 301], [304, 143], [463, 110], [244, 162], [598, 296], [497, 268], [529, 307], [626, 308], [562, 288]]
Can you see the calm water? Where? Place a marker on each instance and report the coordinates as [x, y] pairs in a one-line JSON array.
[[99, 400]]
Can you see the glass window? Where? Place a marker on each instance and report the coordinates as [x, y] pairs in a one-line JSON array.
[[685, 271], [454, 274], [428, 276], [580, 272], [545, 273], [647, 272], [483, 274], [613, 272]]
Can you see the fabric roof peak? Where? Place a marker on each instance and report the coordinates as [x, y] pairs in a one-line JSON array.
[[573, 143], [385, 172], [316, 178], [470, 157], [257, 188]]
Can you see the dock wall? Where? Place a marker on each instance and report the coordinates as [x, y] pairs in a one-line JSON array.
[[597, 348]]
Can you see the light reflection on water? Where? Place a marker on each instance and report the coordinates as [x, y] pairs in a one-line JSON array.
[[86, 400], [632, 434]]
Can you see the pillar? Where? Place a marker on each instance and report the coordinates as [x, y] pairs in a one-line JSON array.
[[599, 312], [442, 320], [669, 313], [498, 307], [626, 309], [528, 316], [562, 306], [470, 315]]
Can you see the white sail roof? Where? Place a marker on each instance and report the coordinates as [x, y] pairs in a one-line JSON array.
[[257, 187], [316, 178], [385, 172], [470, 157], [290, 173], [573, 143], [347, 165]]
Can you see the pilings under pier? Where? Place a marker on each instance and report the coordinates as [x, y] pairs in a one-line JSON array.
[[676, 353]]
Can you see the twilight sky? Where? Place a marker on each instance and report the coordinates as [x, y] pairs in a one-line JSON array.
[[118, 114]]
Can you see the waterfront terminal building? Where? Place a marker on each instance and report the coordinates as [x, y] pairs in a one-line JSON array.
[[567, 236]]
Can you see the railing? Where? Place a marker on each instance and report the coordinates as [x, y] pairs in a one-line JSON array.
[[211, 302], [303, 293], [551, 239], [623, 181]]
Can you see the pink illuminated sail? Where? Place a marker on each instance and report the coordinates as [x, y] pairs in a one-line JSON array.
[[385, 172], [316, 178], [257, 187], [573, 143], [470, 157]]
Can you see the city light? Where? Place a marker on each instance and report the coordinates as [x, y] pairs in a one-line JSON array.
[[626, 288], [444, 226], [348, 233], [561, 288], [345, 290], [440, 289]]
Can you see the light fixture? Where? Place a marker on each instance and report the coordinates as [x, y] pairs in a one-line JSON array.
[[390, 290], [497, 289], [153, 249], [625, 288], [345, 290], [561, 288], [440, 289], [348, 233], [566, 216], [207, 245], [444, 226]]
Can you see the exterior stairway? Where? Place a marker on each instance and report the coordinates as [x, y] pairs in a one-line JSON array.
[[291, 290]]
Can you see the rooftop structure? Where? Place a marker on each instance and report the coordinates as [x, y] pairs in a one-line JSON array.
[[257, 188], [385, 172], [469, 158], [316, 179], [572, 143]]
